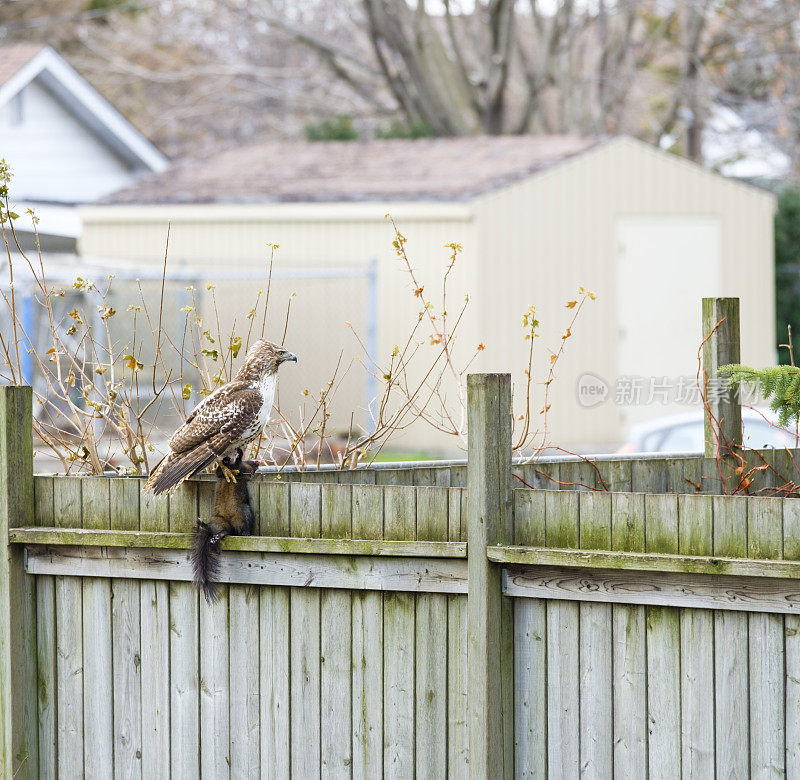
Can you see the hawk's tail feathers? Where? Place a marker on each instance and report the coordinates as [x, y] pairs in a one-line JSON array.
[[176, 467]]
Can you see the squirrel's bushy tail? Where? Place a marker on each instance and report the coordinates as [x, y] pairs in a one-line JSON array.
[[205, 559]]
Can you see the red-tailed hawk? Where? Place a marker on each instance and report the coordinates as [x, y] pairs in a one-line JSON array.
[[230, 418]]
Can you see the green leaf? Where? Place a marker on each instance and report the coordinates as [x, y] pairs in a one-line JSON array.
[[236, 345]]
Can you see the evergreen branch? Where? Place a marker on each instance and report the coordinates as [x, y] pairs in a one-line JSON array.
[[778, 384]]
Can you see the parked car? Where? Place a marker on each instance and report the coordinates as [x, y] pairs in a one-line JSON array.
[[685, 433]]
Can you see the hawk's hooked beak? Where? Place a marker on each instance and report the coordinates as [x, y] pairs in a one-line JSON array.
[[286, 356]]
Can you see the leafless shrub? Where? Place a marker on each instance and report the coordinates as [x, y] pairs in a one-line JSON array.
[[415, 380]]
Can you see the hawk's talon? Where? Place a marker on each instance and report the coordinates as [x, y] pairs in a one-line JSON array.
[[228, 473]]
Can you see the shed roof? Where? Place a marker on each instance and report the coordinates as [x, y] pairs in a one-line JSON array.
[[443, 169]]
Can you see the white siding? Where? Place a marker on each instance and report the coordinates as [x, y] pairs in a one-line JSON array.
[[52, 155], [542, 238]]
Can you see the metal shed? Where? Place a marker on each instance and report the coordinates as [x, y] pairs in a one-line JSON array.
[[648, 232]]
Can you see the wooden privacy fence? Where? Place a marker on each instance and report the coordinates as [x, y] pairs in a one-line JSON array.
[[390, 623]]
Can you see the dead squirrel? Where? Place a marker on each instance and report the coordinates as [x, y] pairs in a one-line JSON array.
[[233, 516]]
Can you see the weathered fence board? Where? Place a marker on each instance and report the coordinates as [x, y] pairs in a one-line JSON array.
[[738, 594], [663, 647], [695, 537], [424, 575], [184, 650], [69, 642], [562, 529], [44, 513], [367, 683], [530, 674], [530, 655], [336, 612], [431, 645], [730, 643], [97, 664], [304, 653], [367, 629], [126, 643], [697, 691], [629, 684], [563, 689], [596, 721], [154, 656], [214, 685], [46, 666], [791, 638], [244, 681], [283, 544], [653, 563], [275, 746], [457, 687], [398, 684], [399, 645], [765, 636], [336, 702], [629, 648], [792, 682], [457, 671]]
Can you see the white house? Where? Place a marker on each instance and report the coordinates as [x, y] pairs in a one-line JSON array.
[[64, 142], [648, 232]]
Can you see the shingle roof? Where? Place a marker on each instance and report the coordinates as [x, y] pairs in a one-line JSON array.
[[14, 57], [451, 169]]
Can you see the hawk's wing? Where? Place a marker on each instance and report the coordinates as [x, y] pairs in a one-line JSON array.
[[230, 410]]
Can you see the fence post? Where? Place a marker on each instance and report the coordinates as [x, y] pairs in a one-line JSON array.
[[19, 752], [720, 348], [489, 613]]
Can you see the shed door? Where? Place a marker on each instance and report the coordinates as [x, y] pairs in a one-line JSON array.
[[665, 266]]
